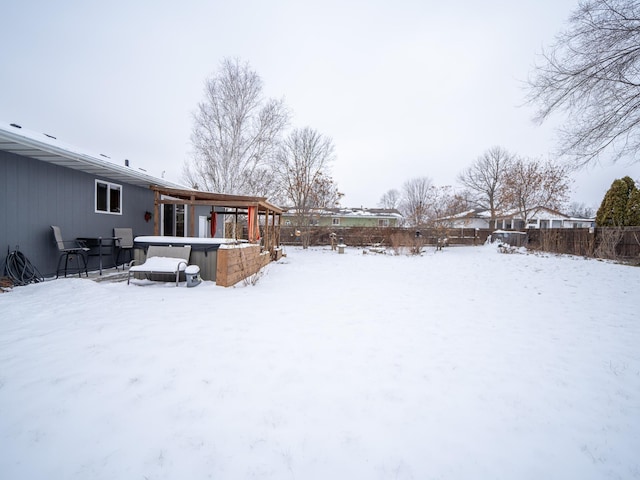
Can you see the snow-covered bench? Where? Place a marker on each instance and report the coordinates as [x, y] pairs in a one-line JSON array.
[[163, 259]]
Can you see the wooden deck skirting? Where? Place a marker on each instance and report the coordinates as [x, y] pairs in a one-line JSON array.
[[236, 264]]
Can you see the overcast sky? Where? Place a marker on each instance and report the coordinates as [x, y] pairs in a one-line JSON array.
[[405, 89]]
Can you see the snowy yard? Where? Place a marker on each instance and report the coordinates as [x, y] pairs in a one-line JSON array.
[[461, 364]]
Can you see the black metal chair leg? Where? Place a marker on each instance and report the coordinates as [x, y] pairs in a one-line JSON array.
[[86, 271], [58, 266]]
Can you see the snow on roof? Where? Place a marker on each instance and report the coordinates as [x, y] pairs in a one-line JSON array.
[[353, 212], [581, 219], [538, 212], [47, 148], [508, 232], [474, 212]]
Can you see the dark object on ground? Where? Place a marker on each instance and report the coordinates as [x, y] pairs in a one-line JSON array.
[[20, 270]]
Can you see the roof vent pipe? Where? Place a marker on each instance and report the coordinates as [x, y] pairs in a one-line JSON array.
[[126, 162]]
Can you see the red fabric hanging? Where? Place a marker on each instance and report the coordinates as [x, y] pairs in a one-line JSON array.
[[254, 229], [214, 223]]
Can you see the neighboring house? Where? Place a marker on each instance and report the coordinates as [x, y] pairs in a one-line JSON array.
[[542, 218], [45, 182], [573, 222], [348, 217], [475, 218]]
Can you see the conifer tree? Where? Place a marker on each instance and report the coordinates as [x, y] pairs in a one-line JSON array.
[[613, 211], [633, 208]]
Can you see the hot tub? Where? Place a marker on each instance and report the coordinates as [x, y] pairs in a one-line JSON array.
[[204, 251]]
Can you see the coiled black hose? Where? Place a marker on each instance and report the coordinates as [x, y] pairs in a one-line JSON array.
[[20, 270]]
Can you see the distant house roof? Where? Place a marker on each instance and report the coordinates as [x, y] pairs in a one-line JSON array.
[[473, 213], [47, 148], [352, 212], [538, 212], [515, 213]]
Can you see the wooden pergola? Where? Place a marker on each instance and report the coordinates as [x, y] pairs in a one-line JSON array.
[[233, 204]]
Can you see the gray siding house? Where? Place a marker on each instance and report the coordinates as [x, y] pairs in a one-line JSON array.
[[44, 182]]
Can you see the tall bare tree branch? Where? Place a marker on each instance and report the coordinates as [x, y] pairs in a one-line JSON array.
[[416, 200], [531, 184], [592, 74], [390, 199], [302, 167], [235, 133], [484, 179]]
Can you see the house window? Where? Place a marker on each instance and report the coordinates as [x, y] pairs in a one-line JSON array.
[[108, 197], [335, 221], [383, 222]]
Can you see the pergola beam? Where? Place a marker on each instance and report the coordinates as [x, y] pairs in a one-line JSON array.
[[240, 203]]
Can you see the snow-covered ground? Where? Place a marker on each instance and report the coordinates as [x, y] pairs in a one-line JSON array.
[[461, 364]]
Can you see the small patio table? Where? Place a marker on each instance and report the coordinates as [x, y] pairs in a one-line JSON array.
[[99, 243]]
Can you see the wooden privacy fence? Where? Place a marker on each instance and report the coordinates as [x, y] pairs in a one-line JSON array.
[[606, 242], [387, 236], [609, 243]]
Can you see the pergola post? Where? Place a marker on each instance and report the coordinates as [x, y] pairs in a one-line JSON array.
[[267, 231], [192, 214], [273, 230], [156, 213]]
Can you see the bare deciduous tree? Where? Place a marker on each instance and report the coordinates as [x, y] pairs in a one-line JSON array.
[[484, 179], [532, 184], [390, 200], [325, 192], [591, 73], [235, 133], [580, 210], [416, 201], [444, 205], [302, 165]]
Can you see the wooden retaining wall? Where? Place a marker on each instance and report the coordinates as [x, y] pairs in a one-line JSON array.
[[236, 264]]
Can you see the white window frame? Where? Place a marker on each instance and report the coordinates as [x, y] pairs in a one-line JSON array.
[[110, 186], [383, 222], [335, 221]]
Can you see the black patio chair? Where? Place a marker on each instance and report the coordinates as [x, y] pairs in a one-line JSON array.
[[69, 248], [123, 242]]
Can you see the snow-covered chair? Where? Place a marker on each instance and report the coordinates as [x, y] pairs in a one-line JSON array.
[[163, 259]]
